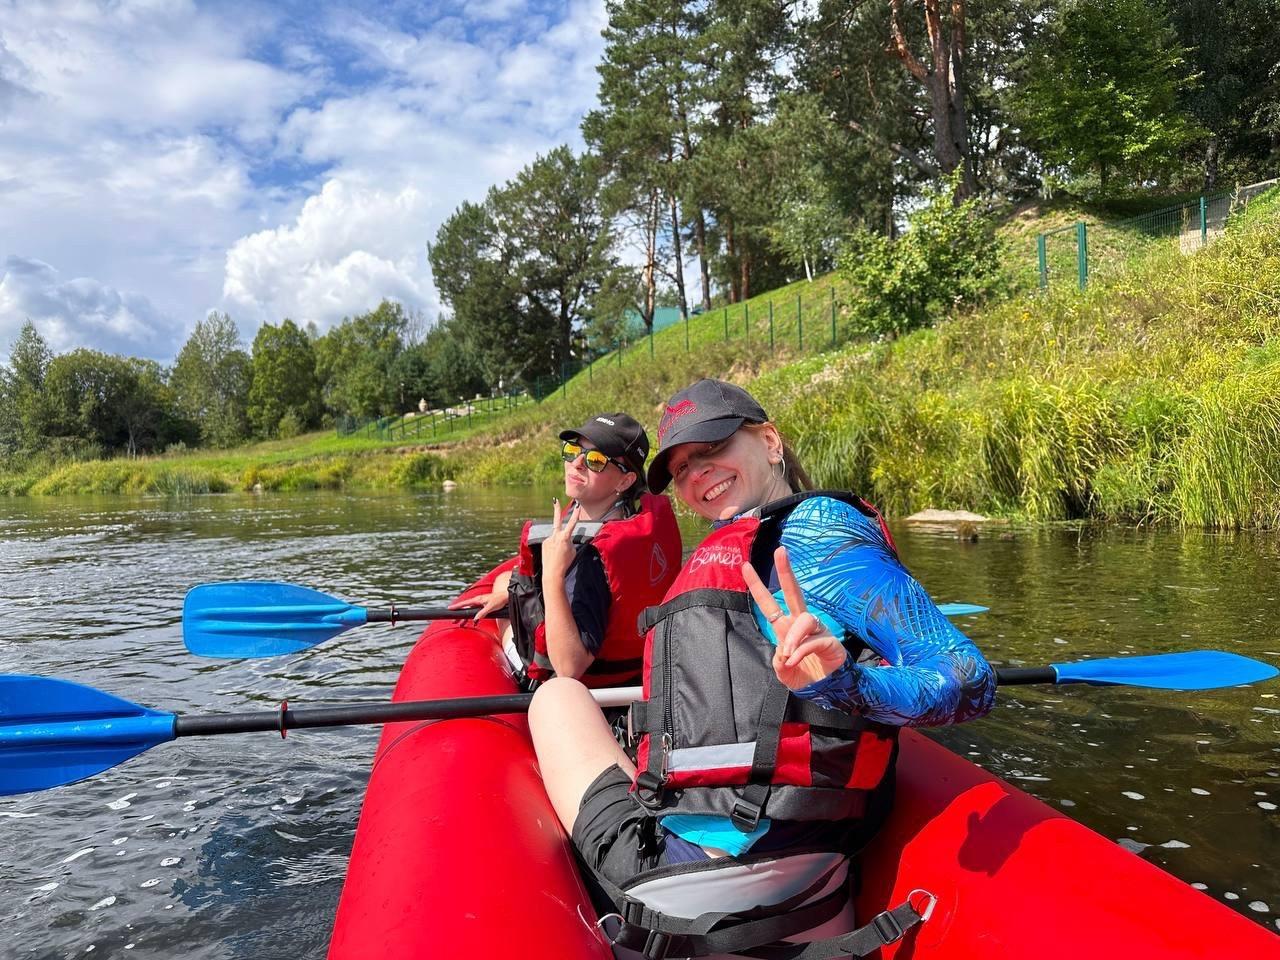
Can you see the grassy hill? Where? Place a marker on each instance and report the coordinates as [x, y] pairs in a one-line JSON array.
[[1155, 395]]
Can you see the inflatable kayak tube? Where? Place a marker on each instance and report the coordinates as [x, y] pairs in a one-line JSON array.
[[458, 853]]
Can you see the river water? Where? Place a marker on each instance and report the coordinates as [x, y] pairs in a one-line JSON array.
[[236, 846]]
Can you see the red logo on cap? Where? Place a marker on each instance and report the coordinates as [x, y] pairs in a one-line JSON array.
[[681, 409]]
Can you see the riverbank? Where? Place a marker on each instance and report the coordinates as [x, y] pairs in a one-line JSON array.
[[1154, 396]]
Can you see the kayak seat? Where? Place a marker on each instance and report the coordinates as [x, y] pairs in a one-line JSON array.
[[769, 906]]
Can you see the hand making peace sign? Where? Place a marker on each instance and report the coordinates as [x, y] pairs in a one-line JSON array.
[[807, 651], [558, 550]]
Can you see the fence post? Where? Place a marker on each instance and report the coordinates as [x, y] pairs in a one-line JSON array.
[[1082, 254], [1204, 221], [770, 324], [800, 321], [833, 316], [1043, 260]]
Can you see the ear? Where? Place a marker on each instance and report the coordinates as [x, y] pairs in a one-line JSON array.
[[627, 478], [773, 442]]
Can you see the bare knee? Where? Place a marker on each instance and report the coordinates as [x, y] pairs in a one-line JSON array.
[[553, 702]]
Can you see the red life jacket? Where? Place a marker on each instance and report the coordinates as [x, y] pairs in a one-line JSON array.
[[720, 734], [640, 555]]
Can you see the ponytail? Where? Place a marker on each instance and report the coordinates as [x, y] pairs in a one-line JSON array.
[[796, 476]]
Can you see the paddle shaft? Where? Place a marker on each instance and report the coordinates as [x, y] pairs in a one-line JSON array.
[[288, 718], [401, 614], [455, 708]]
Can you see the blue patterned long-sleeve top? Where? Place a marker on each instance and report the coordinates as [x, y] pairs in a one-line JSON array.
[[932, 673]]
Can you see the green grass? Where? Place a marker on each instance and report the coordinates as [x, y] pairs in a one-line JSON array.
[[1153, 396]]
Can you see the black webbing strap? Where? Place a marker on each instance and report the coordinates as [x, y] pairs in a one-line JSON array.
[[885, 928], [806, 711], [657, 935], [707, 597], [749, 808], [638, 721]]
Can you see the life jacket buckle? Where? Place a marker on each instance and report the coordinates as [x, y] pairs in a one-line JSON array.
[[656, 945], [745, 815], [887, 927]]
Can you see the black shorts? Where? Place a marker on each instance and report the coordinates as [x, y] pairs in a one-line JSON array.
[[617, 837]]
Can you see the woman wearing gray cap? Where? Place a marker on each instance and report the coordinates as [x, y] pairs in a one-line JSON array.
[[779, 668], [580, 582]]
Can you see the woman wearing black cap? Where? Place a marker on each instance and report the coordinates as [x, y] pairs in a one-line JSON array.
[[579, 583], [768, 735]]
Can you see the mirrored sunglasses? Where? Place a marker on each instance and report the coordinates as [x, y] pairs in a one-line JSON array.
[[596, 460]]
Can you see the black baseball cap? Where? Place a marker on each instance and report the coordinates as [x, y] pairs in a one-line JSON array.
[[615, 435], [706, 412]]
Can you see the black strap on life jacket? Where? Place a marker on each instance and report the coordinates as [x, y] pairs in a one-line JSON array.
[[760, 933]]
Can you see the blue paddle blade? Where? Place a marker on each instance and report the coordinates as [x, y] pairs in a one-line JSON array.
[[54, 732], [262, 619], [1194, 670], [961, 609]]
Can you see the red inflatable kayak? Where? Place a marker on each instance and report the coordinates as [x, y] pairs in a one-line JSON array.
[[459, 854]]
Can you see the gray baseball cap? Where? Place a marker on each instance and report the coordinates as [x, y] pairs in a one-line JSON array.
[[707, 411]]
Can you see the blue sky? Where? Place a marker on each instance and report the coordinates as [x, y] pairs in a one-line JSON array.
[[162, 158]]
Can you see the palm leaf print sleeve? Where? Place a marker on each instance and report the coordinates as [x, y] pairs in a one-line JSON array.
[[932, 674]]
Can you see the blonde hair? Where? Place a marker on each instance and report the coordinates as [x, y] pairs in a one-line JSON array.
[[795, 475]]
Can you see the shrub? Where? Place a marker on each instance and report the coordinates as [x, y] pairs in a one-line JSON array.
[[290, 425], [949, 257]]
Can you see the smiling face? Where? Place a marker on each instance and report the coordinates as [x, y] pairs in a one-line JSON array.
[[721, 480]]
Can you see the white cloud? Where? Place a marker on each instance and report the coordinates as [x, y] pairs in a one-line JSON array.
[[77, 312], [231, 155], [350, 247]]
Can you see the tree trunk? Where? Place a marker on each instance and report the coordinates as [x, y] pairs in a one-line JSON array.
[[651, 260], [700, 218], [679, 256], [731, 246], [700, 241], [566, 330], [944, 79], [1210, 163]]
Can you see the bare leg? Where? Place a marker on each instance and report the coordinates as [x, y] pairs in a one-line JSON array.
[[573, 743]]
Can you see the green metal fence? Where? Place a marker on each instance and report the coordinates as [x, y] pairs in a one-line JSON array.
[[800, 322], [1074, 253], [433, 424]]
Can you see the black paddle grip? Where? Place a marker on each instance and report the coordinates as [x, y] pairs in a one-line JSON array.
[[1010, 676]]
